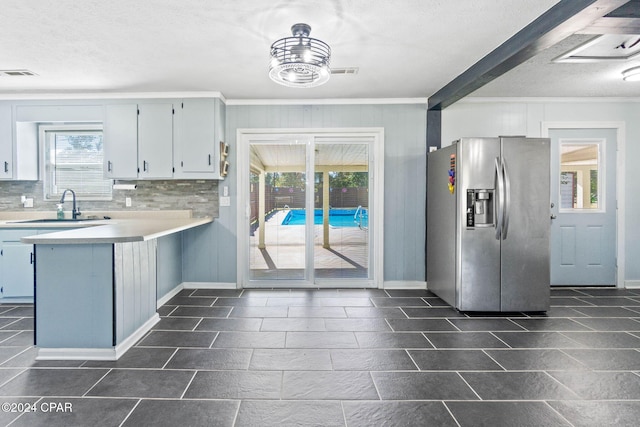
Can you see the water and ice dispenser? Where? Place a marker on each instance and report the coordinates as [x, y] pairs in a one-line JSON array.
[[479, 208]]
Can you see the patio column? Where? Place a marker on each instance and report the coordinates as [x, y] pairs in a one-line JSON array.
[[261, 208], [325, 209]]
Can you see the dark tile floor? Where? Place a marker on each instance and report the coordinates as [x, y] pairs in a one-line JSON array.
[[341, 357]]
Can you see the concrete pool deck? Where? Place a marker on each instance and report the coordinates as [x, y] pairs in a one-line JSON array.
[[284, 254]]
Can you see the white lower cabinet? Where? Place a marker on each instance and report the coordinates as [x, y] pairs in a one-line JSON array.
[[16, 264], [17, 261], [17, 270]]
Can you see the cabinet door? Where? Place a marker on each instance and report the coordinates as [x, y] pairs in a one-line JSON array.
[[17, 269], [155, 141], [6, 143], [197, 136], [121, 141]]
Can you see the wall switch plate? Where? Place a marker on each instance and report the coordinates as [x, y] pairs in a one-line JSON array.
[[225, 190], [127, 202], [225, 201], [28, 202]]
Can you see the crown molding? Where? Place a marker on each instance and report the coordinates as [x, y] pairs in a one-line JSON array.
[[327, 101], [108, 95]]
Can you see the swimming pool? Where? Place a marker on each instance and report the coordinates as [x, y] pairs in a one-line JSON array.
[[337, 217]]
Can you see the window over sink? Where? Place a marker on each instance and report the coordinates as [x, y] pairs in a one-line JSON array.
[[73, 158]]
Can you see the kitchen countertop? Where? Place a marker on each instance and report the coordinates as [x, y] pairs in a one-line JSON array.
[[130, 227], [118, 231]]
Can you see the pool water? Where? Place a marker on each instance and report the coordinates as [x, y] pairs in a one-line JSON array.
[[337, 217]]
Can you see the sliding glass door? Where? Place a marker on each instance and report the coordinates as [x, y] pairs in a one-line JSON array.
[[309, 208], [277, 229], [341, 202]]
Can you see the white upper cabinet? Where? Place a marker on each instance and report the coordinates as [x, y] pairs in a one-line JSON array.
[[6, 143], [18, 147], [120, 128], [199, 133], [143, 139], [155, 141], [138, 141]]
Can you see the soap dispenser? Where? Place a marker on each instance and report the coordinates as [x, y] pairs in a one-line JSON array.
[[60, 211]]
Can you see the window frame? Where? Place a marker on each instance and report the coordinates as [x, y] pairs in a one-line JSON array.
[[43, 130], [601, 169]]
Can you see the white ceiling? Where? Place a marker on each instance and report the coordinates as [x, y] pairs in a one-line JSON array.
[[403, 48]]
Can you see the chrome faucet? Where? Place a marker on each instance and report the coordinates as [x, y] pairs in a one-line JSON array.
[[75, 213]]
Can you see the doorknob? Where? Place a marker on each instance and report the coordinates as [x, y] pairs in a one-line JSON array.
[[553, 216]]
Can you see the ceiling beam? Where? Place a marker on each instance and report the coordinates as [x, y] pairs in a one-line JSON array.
[[565, 18]]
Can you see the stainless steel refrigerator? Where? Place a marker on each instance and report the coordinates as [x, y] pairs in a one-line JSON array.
[[488, 223]]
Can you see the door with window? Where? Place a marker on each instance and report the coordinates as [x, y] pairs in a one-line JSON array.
[[583, 195], [309, 206]]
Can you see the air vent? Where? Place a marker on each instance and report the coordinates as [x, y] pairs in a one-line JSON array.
[[16, 73], [607, 47], [345, 70]]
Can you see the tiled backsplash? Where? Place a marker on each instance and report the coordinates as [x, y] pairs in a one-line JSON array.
[[201, 196]]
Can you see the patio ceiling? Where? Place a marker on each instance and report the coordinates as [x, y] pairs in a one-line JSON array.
[[285, 157]]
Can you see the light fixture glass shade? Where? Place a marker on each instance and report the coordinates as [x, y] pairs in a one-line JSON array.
[[631, 75], [300, 61]]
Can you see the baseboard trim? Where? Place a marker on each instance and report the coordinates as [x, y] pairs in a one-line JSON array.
[[404, 284], [16, 300], [209, 285], [110, 354], [390, 284], [632, 284], [76, 354], [172, 293], [136, 336]]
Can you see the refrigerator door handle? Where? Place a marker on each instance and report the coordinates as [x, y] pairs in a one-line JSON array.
[[507, 199], [499, 199]]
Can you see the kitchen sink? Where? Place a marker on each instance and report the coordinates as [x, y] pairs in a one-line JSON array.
[[54, 220]]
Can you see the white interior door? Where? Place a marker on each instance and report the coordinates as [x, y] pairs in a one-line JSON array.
[[583, 193]]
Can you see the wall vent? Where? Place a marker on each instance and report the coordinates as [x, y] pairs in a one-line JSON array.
[[16, 73], [606, 47], [344, 70]]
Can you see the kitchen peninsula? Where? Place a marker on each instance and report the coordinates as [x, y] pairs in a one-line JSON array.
[[95, 286]]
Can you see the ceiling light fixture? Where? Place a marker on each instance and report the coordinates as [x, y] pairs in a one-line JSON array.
[[300, 61], [631, 75]]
